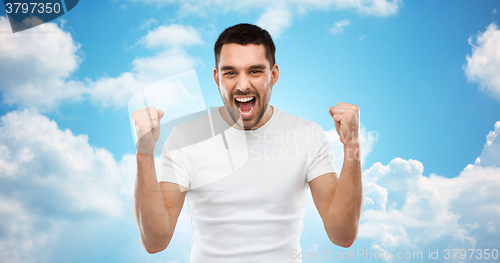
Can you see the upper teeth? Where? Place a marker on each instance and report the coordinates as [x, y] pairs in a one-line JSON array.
[[244, 99]]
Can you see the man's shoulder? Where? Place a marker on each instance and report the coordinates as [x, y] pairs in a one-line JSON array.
[[297, 122], [190, 130]]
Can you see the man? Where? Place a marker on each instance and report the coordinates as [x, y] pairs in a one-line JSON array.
[[252, 211]]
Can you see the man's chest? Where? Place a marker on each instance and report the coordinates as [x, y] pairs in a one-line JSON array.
[[262, 177]]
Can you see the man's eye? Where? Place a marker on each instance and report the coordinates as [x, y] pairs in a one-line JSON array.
[[256, 71], [228, 73]]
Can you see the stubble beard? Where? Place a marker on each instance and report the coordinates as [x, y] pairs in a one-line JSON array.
[[235, 116]]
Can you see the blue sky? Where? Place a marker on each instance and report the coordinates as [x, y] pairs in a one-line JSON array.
[[426, 75]]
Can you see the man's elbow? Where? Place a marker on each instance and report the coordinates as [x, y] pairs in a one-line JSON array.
[[157, 246], [344, 240], [151, 250], [155, 249], [345, 243]]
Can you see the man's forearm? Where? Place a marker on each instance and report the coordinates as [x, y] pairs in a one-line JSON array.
[[345, 209], [150, 212]]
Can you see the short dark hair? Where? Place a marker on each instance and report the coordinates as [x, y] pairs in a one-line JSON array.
[[244, 34]]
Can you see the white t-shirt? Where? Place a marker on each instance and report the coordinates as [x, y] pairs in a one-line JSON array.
[[246, 189]]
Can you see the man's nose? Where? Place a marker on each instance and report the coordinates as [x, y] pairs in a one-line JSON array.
[[243, 83]]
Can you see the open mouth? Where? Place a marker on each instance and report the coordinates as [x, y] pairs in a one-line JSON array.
[[245, 105]]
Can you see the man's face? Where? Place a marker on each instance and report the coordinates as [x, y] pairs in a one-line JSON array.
[[245, 80]]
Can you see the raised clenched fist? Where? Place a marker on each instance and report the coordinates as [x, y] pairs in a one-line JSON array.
[[147, 128], [346, 117]]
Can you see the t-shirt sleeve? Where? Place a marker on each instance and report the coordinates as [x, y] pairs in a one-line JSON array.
[[321, 155], [174, 168]]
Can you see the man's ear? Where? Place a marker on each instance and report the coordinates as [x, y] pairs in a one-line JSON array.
[[275, 74], [216, 76]]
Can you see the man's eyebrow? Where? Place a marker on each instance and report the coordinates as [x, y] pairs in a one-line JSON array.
[[225, 68], [259, 66]]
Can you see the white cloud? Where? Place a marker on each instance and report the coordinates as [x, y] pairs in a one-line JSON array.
[[35, 65], [172, 59], [148, 23], [116, 91], [60, 191], [19, 240], [277, 15], [490, 155], [54, 178], [407, 211], [58, 165], [376, 7], [484, 63], [166, 63], [406, 208], [172, 36], [35, 68], [367, 7], [416, 208], [338, 27], [275, 20]]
